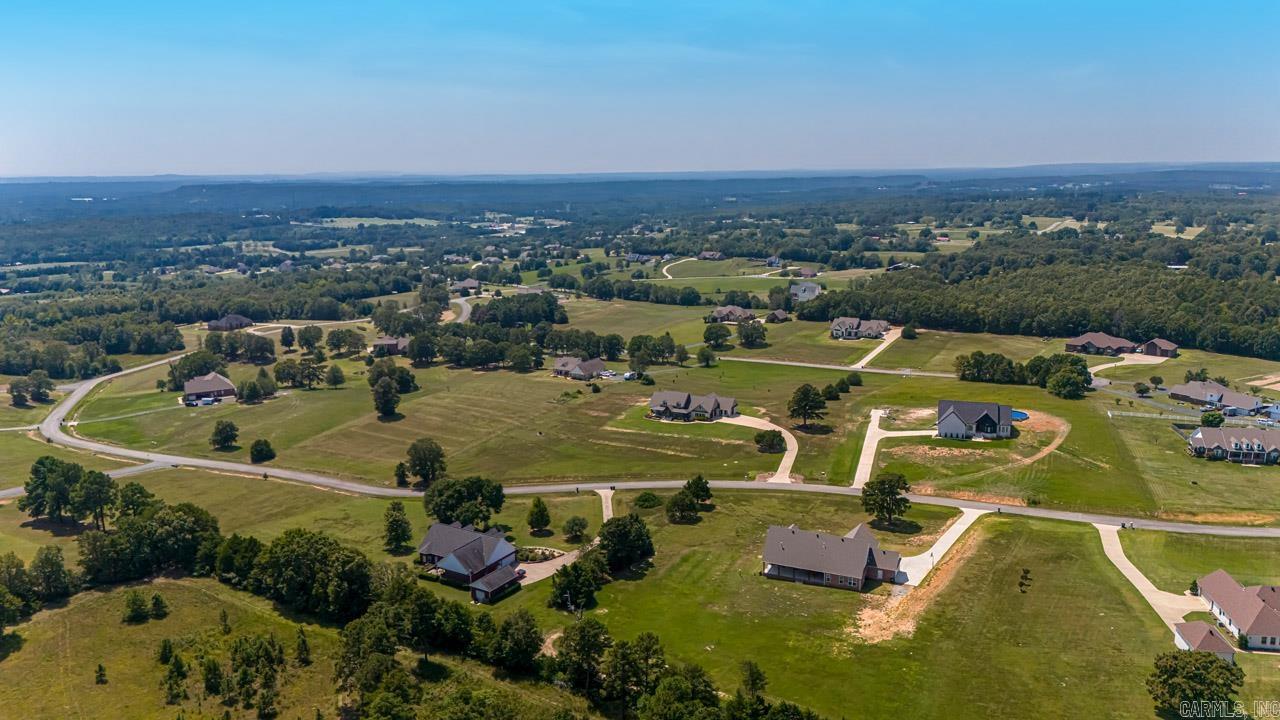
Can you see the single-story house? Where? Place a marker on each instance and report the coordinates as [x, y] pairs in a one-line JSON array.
[[817, 558], [731, 314], [469, 284], [803, 291], [676, 405], [467, 557], [1100, 343], [212, 385], [710, 255], [777, 316], [456, 259], [230, 322], [1160, 347], [1253, 611], [1255, 446], [773, 261], [805, 272], [1208, 392], [962, 420], [849, 328], [387, 345], [1201, 636], [578, 368]]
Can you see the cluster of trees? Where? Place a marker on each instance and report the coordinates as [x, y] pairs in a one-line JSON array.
[[683, 506], [623, 542], [65, 492], [1063, 374], [191, 365], [603, 288], [35, 387], [24, 590], [239, 345], [520, 309], [809, 403], [470, 501], [55, 359]]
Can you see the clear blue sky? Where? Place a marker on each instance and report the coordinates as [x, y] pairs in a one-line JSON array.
[[471, 86]]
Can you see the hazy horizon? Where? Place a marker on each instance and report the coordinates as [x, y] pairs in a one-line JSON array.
[[569, 88]]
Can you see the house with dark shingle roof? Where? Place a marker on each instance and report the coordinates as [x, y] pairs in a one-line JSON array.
[[578, 368], [1160, 347], [676, 405], [466, 557], [777, 316], [1250, 612], [962, 420], [1200, 636], [818, 558], [851, 328], [1208, 392], [731, 314], [1100, 343], [212, 385], [387, 345], [1253, 446], [229, 322]]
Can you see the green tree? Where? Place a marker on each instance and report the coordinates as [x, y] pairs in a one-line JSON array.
[[159, 608], [333, 377], [302, 648], [682, 508], [135, 607], [1212, 419], [752, 334], [309, 337], [580, 656], [539, 516], [574, 586], [224, 435], [830, 393], [402, 474], [311, 371], [806, 404], [93, 496], [212, 676], [287, 338], [715, 335], [19, 392], [909, 332], [426, 460], [1141, 389], [681, 354], [10, 608], [39, 386], [575, 527], [100, 675], [517, 643], [854, 379], [385, 397], [1069, 383], [625, 541], [1182, 676], [770, 441], [698, 488], [261, 451], [1156, 381], [632, 669], [884, 498], [397, 530], [48, 576], [470, 501], [706, 356]]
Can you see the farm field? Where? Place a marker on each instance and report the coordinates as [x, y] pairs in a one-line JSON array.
[[728, 267], [936, 350], [628, 318], [1171, 230], [717, 286], [49, 672], [705, 598]]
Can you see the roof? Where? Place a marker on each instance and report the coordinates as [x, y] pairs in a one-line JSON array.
[[496, 580], [779, 314], [1210, 391], [232, 320], [1255, 610], [843, 323], [207, 383], [970, 412], [682, 403], [473, 549], [1200, 635], [821, 552], [1101, 340], [1163, 344], [388, 341], [731, 311], [568, 363], [1254, 439]]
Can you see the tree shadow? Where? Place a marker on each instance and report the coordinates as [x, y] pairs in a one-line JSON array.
[[543, 533], [55, 528], [429, 671], [400, 551], [227, 450], [635, 573], [397, 417], [10, 643], [898, 525], [813, 429]]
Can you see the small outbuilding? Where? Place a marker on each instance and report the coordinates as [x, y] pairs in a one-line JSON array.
[[1200, 636]]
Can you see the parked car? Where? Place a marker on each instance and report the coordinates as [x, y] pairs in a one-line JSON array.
[[630, 376]]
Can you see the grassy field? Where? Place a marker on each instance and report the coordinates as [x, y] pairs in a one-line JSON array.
[[1171, 230], [1173, 560], [1240, 371], [714, 268], [626, 318], [806, 341], [49, 670], [19, 450], [936, 350], [924, 458], [30, 414], [1076, 644], [718, 286]]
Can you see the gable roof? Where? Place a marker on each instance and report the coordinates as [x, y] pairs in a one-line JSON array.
[[496, 580], [1227, 437], [845, 323], [683, 403], [822, 552], [211, 382], [1200, 635], [1101, 340], [400, 343], [471, 549], [731, 312], [569, 363], [1255, 610], [971, 412], [1163, 344], [1210, 391]]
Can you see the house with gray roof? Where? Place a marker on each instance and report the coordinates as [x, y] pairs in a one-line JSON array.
[[212, 385], [467, 557], [1253, 446], [468, 284], [1100, 343], [818, 558], [1249, 613], [964, 420], [229, 322], [1200, 636], [1208, 392], [804, 291], [387, 345], [731, 314], [851, 328], [578, 368], [676, 405]]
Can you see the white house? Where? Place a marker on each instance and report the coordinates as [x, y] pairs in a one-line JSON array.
[[1201, 636], [1249, 612], [962, 420]]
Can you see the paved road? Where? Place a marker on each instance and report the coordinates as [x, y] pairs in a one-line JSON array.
[[672, 264], [875, 434], [822, 366], [465, 313]]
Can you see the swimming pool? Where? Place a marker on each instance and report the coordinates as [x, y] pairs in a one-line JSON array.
[[1018, 415]]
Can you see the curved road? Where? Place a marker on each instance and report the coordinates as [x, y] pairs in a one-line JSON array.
[[52, 429]]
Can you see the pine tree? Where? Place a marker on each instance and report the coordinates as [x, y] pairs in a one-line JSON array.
[[302, 650], [222, 622], [159, 608], [398, 530], [539, 515], [100, 675]]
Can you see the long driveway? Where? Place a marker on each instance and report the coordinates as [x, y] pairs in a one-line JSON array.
[[888, 339], [825, 366], [867, 460], [916, 567], [783, 473], [1171, 607]]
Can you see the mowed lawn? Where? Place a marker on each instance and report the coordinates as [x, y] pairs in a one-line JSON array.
[[718, 286], [923, 458], [19, 450], [1079, 643], [804, 341], [936, 350], [29, 414], [627, 318], [1240, 371], [707, 268], [49, 665]]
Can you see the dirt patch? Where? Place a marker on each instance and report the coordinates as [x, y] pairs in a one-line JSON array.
[[1040, 422], [677, 453], [1242, 518], [886, 618], [1267, 381], [722, 441], [931, 452], [549, 643], [968, 495], [907, 418]]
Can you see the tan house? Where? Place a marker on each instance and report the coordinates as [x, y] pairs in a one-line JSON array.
[[578, 368]]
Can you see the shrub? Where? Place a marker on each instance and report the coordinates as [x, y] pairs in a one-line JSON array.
[[854, 379], [648, 500], [770, 441], [261, 451]]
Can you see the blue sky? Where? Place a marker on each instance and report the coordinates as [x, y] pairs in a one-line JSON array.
[[135, 87]]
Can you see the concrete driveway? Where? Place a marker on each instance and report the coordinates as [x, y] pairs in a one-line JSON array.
[[889, 338], [867, 460], [1128, 359], [917, 567], [783, 473], [1171, 607]]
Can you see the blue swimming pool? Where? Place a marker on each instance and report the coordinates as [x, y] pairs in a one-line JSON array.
[[1018, 415]]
